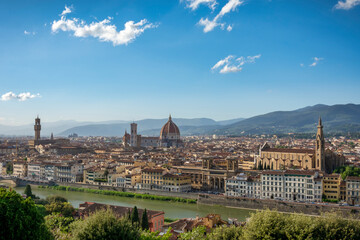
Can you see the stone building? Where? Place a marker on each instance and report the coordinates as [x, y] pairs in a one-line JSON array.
[[307, 159], [211, 175], [169, 137]]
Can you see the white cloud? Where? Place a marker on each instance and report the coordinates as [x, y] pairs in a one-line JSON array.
[[347, 4], [229, 28], [316, 61], [21, 96], [102, 30], [29, 33], [301, 65], [66, 10], [194, 4], [232, 65], [209, 25]]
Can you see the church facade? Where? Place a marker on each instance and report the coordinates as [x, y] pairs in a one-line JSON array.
[[169, 137], [307, 159]]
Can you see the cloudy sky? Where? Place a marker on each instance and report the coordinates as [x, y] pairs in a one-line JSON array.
[[128, 60]]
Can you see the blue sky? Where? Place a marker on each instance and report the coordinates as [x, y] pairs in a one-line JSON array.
[[165, 60]]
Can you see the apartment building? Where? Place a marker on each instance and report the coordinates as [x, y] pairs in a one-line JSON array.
[[243, 186], [303, 186], [20, 169], [353, 189], [34, 171], [291, 185], [176, 182], [151, 178], [331, 186]]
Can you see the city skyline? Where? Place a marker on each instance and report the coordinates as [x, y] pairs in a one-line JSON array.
[[136, 60]]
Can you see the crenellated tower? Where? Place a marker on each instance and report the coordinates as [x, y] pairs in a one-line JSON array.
[[37, 128]]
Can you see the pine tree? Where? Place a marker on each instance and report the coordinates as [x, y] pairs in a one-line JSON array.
[[28, 191], [135, 215], [144, 220], [129, 214]]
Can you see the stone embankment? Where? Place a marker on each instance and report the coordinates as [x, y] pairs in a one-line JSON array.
[[282, 206]]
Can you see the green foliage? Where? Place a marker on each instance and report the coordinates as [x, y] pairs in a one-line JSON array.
[[274, 225], [59, 225], [226, 233], [56, 198], [347, 171], [265, 225], [58, 204], [170, 220], [28, 191], [104, 225], [121, 194], [147, 235], [135, 215], [20, 219], [195, 234], [144, 220], [41, 209], [9, 168]]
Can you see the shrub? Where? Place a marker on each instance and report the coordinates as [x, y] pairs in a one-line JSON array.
[[19, 218]]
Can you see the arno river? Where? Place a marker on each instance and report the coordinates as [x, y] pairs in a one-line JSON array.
[[171, 209]]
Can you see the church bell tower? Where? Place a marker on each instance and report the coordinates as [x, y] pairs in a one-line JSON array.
[[320, 148], [37, 128]]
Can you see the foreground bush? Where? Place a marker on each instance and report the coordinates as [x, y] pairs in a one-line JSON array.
[[19, 218], [104, 225], [274, 225]]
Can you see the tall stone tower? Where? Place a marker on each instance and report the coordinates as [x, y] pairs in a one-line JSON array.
[[320, 148], [37, 128], [133, 135]]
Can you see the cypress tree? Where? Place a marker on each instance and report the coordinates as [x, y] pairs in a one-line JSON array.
[[144, 220], [135, 216], [28, 191]]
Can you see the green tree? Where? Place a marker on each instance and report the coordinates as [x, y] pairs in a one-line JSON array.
[[56, 198], [265, 225], [135, 215], [9, 168], [28, 191], [195, 234], [104, 225], [59, 225], [226, 233], [58, 204], [147, 235], [20, 219], [144, 220]]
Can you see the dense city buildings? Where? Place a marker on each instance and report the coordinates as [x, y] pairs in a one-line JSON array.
[[257, 167], [309, 159]]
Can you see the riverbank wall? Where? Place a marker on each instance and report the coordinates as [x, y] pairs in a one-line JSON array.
[[131, 190], [281, 206]]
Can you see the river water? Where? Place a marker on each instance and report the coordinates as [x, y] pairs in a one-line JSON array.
[[171, 209]]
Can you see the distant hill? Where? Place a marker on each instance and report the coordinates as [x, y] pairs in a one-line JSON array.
[[148, 127], [336, 119]]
